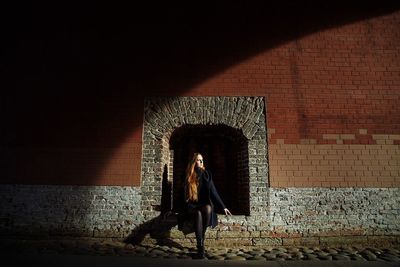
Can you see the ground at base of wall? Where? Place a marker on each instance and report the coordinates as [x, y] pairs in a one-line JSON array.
[[176, 251]]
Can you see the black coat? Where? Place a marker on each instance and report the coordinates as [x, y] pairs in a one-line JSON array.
[[207, 194]]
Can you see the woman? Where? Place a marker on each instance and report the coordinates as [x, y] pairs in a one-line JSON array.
[[200, 198]]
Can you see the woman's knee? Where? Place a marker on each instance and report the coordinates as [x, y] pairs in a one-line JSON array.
[[197, 214], [207, 208]]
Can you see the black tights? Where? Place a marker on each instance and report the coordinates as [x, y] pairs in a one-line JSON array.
[[202, 216]]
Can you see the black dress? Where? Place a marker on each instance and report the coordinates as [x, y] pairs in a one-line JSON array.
[[207, 194]]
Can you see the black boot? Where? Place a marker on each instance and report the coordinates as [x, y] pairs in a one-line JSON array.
[[200, 248]]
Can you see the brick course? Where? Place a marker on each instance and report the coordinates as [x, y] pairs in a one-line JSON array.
[[334, 165]]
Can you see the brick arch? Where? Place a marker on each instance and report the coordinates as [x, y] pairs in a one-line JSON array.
[[163, 115]]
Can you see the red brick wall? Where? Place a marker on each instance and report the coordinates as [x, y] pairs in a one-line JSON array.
[[327, 92], [332, 82], [338, 86]]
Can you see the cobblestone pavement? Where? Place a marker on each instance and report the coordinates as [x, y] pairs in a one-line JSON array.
[[117, 248]]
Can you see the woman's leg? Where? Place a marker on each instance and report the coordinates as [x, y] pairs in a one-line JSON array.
[[202, 218], [198, 223], [206, 216]]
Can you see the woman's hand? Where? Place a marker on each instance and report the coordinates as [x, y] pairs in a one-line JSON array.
[[227, 212]]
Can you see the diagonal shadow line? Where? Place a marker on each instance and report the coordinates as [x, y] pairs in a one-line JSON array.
[[73, 81]]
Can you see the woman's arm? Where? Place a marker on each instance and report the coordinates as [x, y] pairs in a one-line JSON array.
[[215, 196]]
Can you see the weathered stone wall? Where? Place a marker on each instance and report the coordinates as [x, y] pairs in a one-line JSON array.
[[347, 211], [315, 216], [296, 216], [88, 211], [324, 214]]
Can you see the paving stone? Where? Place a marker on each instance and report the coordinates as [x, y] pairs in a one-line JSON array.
[[297, 256], [257, 258], [331, 251], [341, 258], [129, 247], [256, 253], [282, 249], [322, 254], [235, 258], [392, 251], [293, 250], [140, 249], [345, 253], [247, 256], [307, 250], [283, 255], [325, 258], [158, 252], [217, 257], [270, 256], [220, 251], [376, 251], [175, 250], [389, 258], [309, 256], [349, 250], [357, 258], [370, 257]]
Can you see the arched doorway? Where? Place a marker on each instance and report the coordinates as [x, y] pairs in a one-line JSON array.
[[234, 127]]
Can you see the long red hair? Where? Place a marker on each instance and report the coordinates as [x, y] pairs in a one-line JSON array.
[[192, 179]]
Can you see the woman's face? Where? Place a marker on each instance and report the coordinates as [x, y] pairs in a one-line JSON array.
[[199, 161]]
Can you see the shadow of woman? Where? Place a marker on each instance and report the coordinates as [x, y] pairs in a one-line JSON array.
[[159, 228]]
